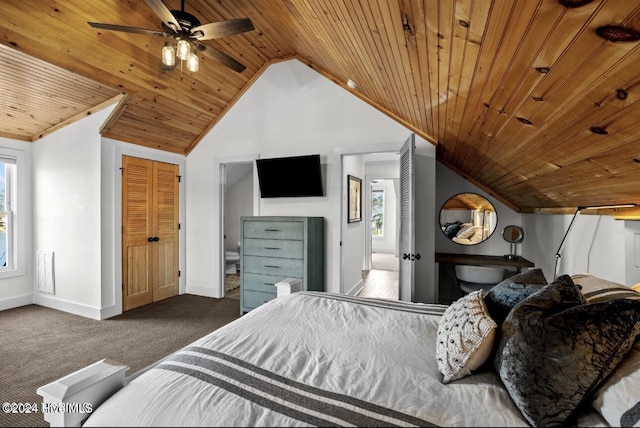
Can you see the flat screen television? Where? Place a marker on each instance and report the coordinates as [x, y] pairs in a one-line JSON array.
[[287, 177]]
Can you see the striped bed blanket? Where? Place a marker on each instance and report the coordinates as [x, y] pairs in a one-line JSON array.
[[312, 359]]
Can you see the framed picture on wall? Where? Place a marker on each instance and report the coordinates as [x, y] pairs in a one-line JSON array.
[[355, 199]]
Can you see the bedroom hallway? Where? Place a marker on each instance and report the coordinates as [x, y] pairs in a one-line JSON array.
[[382, 280]]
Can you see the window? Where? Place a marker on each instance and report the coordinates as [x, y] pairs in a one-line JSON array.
[[10, 258], [377, 213]]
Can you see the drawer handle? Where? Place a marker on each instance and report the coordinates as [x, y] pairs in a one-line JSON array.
[[271, 248], [272, 230], [272, 266], [269, 283]]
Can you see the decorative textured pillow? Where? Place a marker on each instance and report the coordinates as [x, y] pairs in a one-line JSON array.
[[506, 294], [465, 337], [596, 289], [555, 350], [466, 232], [618, 401]]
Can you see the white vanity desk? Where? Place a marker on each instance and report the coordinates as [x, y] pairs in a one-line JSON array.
[[448, 290]]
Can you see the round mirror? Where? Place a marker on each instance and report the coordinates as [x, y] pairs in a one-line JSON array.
[[468, 218], [513, 234]]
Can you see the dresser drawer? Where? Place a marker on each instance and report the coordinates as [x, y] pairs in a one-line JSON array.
[[273, 266], [273, 248], [273, 229], [253, 299], [261, 282]]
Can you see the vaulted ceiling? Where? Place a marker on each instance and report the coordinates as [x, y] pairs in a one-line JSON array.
[[522, 97]]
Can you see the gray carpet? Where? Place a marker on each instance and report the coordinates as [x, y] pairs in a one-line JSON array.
[[40, 345]]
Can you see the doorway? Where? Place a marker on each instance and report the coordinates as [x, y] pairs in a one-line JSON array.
[[237, 200], [370, 248], [381, 269]]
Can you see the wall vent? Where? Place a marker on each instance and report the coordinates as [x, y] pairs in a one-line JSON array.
[[46, 283]]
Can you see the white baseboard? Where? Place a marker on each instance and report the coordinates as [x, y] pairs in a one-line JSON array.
[[199, 290], [66, 306], [356, 288], [110, 311], [16, 302]]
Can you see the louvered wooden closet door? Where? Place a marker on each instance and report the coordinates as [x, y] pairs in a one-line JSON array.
[[165, 250], [149, 231]]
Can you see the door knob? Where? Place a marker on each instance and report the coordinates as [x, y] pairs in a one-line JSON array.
[[150, 239], [411, 257], [156, 239]]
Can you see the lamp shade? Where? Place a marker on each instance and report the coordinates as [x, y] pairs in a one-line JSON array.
[[193, 64], [168, 55], [184, 49]]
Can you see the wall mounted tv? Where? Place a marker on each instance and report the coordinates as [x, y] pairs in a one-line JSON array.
[[287, 177]]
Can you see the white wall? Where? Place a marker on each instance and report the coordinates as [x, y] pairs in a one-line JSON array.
[[67, 217], [596, 244], [18, 290], [290, 110], [352, 233], [632, 251]]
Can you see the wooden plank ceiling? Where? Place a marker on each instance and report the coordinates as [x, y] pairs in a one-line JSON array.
[[522, 97]]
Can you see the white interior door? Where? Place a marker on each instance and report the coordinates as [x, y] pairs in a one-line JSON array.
[[407, 226]]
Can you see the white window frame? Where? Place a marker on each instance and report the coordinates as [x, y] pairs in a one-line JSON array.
[[14, 204]]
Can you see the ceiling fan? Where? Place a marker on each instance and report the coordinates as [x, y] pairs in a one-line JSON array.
[[187, 30]]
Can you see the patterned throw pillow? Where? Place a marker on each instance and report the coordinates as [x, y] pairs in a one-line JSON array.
[[505, 295], [465, 337], [555, 350]]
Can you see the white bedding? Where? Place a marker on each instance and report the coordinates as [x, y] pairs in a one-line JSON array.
[[314, 359]]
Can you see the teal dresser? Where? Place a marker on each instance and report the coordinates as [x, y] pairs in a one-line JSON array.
[[276, 248]]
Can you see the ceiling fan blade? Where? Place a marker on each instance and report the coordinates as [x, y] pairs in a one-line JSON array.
[[128, 29], [217, 30], [226, 60], [164, 13]]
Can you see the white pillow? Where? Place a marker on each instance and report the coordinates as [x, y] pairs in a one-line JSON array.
[[466, 232], [618, 400], [466, 333]]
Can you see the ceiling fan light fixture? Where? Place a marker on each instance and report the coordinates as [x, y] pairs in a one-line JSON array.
[[193, 63], [187, 30], [184, 49], [169, 55]]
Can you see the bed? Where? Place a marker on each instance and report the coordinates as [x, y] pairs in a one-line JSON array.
[[323, 359]]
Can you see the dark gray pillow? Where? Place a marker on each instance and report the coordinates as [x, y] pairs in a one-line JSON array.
[[506, 294], [555, 351]]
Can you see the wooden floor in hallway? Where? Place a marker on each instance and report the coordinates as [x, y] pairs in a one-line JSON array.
[[382, 280]]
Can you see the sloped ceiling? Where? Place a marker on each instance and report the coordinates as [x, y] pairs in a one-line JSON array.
[[521, 97]]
